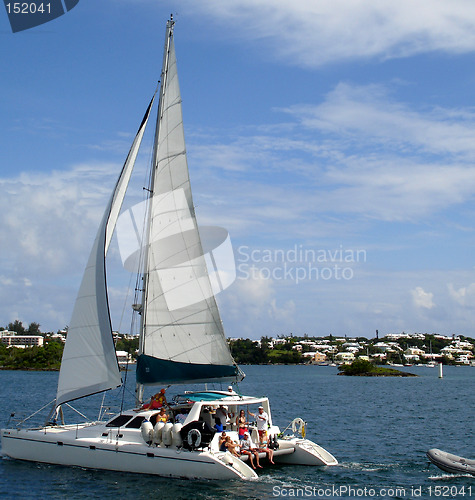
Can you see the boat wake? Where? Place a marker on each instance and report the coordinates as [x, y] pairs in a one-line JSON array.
[[449, 477]]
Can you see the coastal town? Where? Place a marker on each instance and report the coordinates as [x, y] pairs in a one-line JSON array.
[[393, 349], [24, 343]]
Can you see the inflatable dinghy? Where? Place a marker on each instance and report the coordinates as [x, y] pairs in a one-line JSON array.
[[451, 463]]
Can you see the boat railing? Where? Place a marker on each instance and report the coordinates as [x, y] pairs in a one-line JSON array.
[[18, 420]]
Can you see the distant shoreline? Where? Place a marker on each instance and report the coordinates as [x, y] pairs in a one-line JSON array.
[[372, 374]]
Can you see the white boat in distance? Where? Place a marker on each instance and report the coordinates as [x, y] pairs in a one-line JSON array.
[[451, 463], [181, 339]]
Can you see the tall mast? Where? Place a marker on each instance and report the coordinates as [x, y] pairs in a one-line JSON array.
[[154, 165]]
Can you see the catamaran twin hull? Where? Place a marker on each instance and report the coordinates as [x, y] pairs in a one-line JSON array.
[[129, 442]]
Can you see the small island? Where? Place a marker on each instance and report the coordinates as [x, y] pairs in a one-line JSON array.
[[363, 368]]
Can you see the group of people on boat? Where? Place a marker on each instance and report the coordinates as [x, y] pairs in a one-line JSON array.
[[222, 417], [245, 447]]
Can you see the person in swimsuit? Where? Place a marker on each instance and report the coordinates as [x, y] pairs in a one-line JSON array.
[[157, 401], [241, 424], [222, 442], [231, 446]]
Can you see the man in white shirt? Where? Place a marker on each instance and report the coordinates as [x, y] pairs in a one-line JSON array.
[[262, 424], [248, 448], [222, 414]]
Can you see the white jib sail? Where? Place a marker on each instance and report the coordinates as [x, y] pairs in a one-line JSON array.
[[89, 363]]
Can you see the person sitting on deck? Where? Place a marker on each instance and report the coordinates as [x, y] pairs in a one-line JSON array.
[[222, 442], [248, 448], [268, 452], [157, 401], [231, 446], [162, 416]]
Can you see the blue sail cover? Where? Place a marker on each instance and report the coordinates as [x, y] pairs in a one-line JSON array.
[[152, 371]]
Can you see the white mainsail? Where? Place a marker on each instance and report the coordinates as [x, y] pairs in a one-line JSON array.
[[89, 363], [183, 337]]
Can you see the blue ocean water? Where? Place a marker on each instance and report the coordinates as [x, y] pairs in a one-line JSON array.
[[378, 428]]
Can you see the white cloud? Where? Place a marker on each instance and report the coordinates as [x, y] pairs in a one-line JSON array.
[[254, 307], [464, 296], [312, 33], [370, 114], [359, 153], [421, 298], [48, 224], [49, 219]]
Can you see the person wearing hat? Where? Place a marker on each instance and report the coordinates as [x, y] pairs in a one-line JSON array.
[[157, 401], [248, 448], [221, 413], [262, 424]]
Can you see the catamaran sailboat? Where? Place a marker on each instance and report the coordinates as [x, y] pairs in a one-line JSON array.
[[181, 340]]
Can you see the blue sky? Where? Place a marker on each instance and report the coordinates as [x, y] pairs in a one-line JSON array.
[[330, 126]]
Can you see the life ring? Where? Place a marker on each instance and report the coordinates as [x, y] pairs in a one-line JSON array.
[[193, 438], [298, 425]]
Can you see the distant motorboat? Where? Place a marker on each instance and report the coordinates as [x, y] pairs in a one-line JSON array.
[[451, 463]]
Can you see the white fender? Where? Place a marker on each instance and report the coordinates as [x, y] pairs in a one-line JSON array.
[[167, 434], [157, 432], [146, 429], [176, 437]]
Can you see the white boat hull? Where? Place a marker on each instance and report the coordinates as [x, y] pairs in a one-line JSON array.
[[60, 446], [305, 452], [130, 442], [76, 446]]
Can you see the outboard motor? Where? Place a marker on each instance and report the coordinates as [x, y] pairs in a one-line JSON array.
[[197, 434]]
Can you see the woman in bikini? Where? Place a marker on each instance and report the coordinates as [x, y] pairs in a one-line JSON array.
[[231, 446], [241, 424]]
